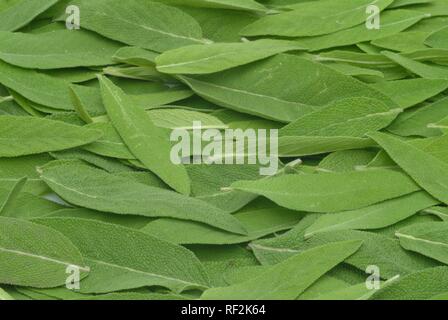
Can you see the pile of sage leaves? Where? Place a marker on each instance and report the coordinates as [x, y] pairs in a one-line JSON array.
[[92, 207]]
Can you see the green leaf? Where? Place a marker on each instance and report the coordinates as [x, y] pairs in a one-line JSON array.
[[303, 146], [258, 223], [122, 258], [4, 295], [410, 92], [314, 18], [37, 87], [421, 122], [432, 176], [428, 71], [438, 39], [378, 216], [29, 135], [404, 41], [148, 143], [331, 192], [352, 117], [287, 95], [110, 144], [423, 284], [95, 189], [58, 49], [45, 252], [429, 239], [15, 191], [136, 56], [176, 118], [210, 58], [141, 23], [250, 5], [17, 14], [348, 160], [14, 169], [288, 279], [441, 212], [392, 22], [377, 250]]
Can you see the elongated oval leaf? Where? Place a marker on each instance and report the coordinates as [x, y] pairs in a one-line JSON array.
[[122, 258], [438, 39], [141, 23], [45, 252], [428, 171], [314, 18], [429, 239], [37, 87], [331, 192], [377, 216], [203, 59], [277, 88], [58, 49], [17, 14], [352, 117], [95, 189], [290, 278], [147, 142], [29, 135], [258, 223]]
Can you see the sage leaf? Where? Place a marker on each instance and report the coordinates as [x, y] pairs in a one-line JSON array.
[[376, 216], [210, 58], [45, 252], [420, 285], [148, 25], [438, 39], [96, 189], [410, 92], [292, 96], [258, 223], [331, 192], [250, 5], [292, 276], [314, 18], [421, 122], [142, 137], [115, 267], [433, 177], [21, 136], [37, 87], [58, 49], [423, 70], [352, 117], [392, 22], [428, 239], [16, 14]]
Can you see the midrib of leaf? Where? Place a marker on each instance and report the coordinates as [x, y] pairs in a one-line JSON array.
[[358, 119], [31, 255], [405, 20], [436, 212], [152, 29], [147, 273], [193, 61], [70, 189], [110, 142], [319, 58], [281, 250], [398, 234], [350, 10], [255, 94], [15, 180]]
